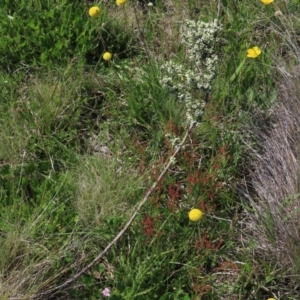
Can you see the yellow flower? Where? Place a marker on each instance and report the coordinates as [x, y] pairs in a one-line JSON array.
[[195, 214], [107, 56], [253, 52], [94, 11], [120, 2], [267, 2]]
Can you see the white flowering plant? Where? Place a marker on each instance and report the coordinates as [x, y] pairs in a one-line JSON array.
[[201, 41]]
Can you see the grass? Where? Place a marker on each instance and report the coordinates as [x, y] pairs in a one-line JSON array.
[[84, 142]]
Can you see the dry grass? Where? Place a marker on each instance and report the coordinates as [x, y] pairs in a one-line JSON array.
[[105, 188], [23, 265], [158, 28], [272, 186], [29, 266]]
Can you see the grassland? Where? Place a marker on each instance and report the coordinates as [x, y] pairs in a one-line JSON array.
[[101, 160]]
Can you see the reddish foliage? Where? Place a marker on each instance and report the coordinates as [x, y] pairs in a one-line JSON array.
[[200, 282], [174, 191], [201, 289], [173, 205], [172, 128], [208, 181], [191, 156], [174, 195], [172, 131], [148, 225], [207, 206], [205, 243]]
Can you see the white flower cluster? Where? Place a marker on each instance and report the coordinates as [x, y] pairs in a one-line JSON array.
[[174, 141], [199, 69]]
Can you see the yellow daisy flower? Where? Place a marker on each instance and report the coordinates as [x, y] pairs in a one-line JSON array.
[[267, 2], [121, 2], [107, 56], [94, 11], [253, 52], [195, 214]]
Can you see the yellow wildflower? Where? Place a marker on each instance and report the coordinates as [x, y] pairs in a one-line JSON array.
[[107, 56], [121, 2], [94, 11], [195, 214], [267, 2], [253, 52]]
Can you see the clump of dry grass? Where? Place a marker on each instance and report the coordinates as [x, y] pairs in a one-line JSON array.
[[105, 188], [24, 265], [28, 265], [272, 186]]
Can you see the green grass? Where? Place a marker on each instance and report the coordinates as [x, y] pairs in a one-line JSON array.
[[83, 140]]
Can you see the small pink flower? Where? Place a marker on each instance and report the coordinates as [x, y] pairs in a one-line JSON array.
[[106, 292]]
